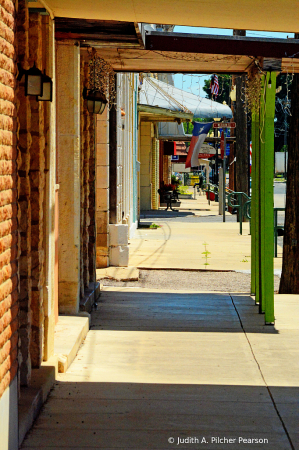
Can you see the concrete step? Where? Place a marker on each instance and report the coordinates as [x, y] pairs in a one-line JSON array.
[[70, 332]]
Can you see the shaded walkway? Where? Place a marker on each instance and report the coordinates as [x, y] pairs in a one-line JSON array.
[[160, 365]]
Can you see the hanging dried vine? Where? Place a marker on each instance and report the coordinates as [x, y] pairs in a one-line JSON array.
[[253, 93], [101, 76], [253, 89]]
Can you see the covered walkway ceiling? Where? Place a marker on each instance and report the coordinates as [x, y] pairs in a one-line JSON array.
[[130, 47], [271, 15], [139, 60], [114, 27]]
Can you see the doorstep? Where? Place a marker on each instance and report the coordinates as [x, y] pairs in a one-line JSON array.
[[70, 332], [34, 396], [129, 273]]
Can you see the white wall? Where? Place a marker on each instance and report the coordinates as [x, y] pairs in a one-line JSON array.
[[126, 85], [9, 418]]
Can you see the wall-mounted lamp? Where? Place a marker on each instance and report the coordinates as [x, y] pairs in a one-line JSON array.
[[46, 90], [36, 83], [33, 81], [96, 101]]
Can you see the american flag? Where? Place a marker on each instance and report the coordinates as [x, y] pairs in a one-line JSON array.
[[214, 85]]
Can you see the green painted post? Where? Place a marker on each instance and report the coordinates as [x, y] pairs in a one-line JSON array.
[[261, 222], [254, 131], [255, 205], [268, 203]]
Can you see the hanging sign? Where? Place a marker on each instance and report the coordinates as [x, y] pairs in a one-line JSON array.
[[206, 151], [224, 125]]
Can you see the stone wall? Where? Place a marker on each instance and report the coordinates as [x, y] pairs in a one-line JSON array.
[[155, 174], [68, 174], [92, 202], [102, 189], [8, 196], [87, 225], [31, 148], [146, 135], [37, 188]]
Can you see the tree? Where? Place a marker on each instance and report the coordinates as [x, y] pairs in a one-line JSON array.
[[282, 111], [240, 149], [289, 283], [188, 126]]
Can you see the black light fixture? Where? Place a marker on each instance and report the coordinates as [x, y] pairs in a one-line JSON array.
[[47, 89], [33, 81], [96, 100]]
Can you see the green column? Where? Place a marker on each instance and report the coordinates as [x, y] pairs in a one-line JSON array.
[[262, 222], [267, 204], [254, 201], [261, 205]]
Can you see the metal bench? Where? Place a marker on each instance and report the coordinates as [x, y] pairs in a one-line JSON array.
[[170, 198]]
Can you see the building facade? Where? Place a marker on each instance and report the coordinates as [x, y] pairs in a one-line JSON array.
[[69, 199]]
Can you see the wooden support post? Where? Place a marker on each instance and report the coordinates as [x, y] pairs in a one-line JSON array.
[[268, 201], [255, 206], [262, 224], [261, 205]]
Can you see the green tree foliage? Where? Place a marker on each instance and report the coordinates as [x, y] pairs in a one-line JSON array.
[[188, 127], [224, 91], [224, 88]]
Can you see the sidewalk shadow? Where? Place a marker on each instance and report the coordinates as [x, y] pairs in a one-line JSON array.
[[148, 416], [126, 310]]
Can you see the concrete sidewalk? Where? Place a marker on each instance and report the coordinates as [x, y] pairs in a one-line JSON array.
[[185, 235], [165, 369], [178, 369]]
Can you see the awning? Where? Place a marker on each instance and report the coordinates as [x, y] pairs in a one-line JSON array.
[[156, 114], [156, 93], [275, 15]]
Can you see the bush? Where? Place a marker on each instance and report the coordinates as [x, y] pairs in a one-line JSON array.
[[183, 190]]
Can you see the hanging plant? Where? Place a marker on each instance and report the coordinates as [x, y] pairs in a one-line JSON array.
[[253, 88], [101, 76]]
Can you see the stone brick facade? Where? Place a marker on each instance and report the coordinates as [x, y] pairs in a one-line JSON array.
[[37, 188], [146, 135], [87, 224], [31, 187], [24, 191], [8, 197], [102, 189]]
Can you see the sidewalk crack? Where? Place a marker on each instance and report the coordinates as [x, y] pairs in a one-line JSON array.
[[262, 375]]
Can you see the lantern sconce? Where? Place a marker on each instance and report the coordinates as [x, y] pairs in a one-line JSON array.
[[33, 81], [36, 83], [46, 90], [96, 100]]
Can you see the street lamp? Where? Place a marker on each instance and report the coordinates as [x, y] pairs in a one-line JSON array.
[[96, 100]]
